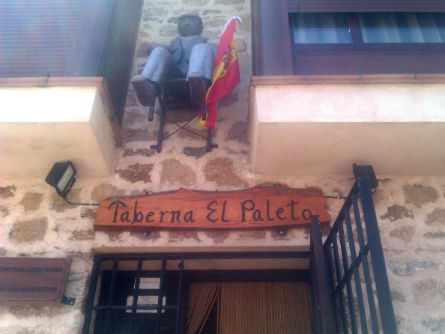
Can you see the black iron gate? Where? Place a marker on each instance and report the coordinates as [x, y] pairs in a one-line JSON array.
[[351, 261]]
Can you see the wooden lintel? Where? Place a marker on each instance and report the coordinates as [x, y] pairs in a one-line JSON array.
[[349, 79], [51, 82]]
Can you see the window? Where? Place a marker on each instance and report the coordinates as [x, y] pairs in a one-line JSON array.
[[71, 38], [320, 28], [321, 37], [367, 43], [402, 27], [324, 28]]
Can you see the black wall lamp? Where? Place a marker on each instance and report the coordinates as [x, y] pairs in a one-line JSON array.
[[62, 177]]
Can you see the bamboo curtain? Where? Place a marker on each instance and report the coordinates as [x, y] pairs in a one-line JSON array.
[[202, 298], [253, 307]]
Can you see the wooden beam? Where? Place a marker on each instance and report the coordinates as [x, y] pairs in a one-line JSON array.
[[348, 79], [51, 82], [344, 6]]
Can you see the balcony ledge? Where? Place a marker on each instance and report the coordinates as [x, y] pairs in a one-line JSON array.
[[44, 121], [314, 126]]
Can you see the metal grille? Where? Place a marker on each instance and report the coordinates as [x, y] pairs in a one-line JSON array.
[[357, 267], [106, 308]]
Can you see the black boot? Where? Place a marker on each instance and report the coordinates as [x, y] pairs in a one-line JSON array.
[[146, 91], [198, 89]]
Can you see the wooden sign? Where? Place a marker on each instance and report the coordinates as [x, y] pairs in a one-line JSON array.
[[32, 280], [257, 207]]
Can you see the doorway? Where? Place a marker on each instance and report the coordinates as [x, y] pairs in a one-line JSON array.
[[347, 278], [200, 293]]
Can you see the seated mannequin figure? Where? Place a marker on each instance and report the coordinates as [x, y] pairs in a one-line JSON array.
[[188, 56]]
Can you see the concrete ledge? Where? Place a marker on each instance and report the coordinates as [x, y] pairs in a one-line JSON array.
[[321, 129], [39, 126]]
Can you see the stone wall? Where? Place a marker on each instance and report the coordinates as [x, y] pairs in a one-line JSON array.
[[34, 221], [158, 26]]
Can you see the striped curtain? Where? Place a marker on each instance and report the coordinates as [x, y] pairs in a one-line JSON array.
[[202, 299], [254, 307], [402, 27], [325, 28], [320, 28]]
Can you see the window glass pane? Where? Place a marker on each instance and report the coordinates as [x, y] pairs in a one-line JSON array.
[[320, 28], [402, 27]]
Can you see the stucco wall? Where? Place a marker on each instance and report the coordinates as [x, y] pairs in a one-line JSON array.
[[35, 222], [400, 125], [39, 126]]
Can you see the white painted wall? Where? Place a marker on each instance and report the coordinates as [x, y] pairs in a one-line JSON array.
[[52, 104], [351, 103]]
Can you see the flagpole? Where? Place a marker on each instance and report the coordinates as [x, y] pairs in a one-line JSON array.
[[204, 112], [230, 19]]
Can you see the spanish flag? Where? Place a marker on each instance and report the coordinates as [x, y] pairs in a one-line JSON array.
[[226, 75]]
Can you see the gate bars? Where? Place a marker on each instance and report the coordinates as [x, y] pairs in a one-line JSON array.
[[349, 270], [158, 307]]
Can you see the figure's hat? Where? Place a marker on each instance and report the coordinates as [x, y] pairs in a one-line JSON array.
[[194, 16], [183, 16]]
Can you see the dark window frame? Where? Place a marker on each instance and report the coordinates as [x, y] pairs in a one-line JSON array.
[[274, 53]]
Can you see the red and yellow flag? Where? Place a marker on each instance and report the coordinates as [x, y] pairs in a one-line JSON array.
[[226, 75]]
